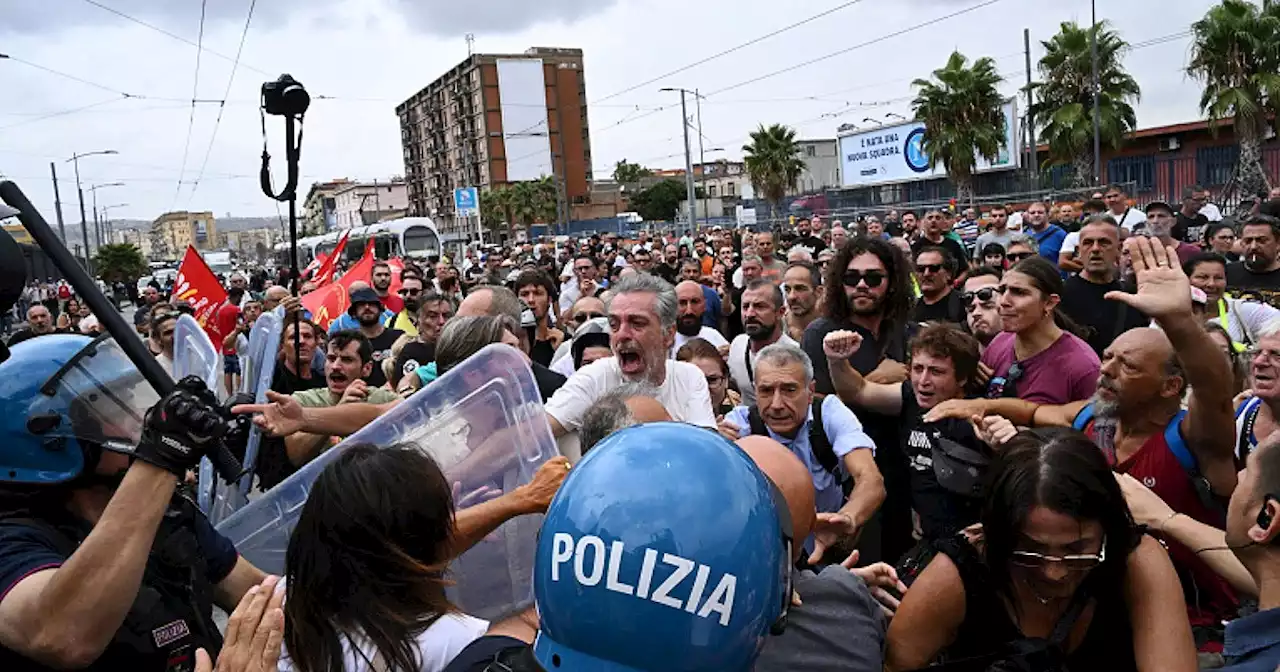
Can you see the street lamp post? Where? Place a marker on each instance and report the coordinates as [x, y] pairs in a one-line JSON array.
[[1097, 136], [688, 156], [97, 226], [106, 220], [84, 225]]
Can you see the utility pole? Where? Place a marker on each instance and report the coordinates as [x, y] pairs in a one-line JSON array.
[[57, 202], [688, 157], [84, 225], [702, 159], [1097, 138], [1032, 158]]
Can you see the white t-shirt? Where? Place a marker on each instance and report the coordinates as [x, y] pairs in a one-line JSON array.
[[437, 646], [707, 334], [684, 393], [1070, 243], [1131, 218], [742, 377]]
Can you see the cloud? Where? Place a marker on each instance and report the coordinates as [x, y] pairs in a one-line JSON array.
[[445, 18]]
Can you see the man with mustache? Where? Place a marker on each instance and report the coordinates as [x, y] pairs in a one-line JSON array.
[[348, 363], [642, 324], [1257, 274], [692, 305], [1083, 299], [366, 307], [1187, 457], [1162, 226], [981, 301], [763, 308]]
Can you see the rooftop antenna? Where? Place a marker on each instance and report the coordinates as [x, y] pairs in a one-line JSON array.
[[471, 40]]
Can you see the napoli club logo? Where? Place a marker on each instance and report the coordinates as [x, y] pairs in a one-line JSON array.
[[913, 150]]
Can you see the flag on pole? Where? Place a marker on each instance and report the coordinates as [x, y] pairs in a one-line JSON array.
[[315, 264], [197, 285], [331, 301], [324, 275]]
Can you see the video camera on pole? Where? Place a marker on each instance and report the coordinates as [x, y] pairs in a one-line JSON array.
[[286, 97]]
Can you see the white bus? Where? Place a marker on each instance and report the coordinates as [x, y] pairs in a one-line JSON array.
[[408, 238]]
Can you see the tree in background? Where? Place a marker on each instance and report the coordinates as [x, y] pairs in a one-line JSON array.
[[773, 163], [1236, 53], [963, 116], [1064, 109], [628, 173], [661, 202], [497, 210], [119, 262], [535, 201]]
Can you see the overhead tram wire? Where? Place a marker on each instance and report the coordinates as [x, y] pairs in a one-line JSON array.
[[841, 52], [222, 106], [61, 113], [730, 50], [179, 38], [191, 119]]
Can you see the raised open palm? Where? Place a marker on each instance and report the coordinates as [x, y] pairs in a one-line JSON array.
[[1163, 289]]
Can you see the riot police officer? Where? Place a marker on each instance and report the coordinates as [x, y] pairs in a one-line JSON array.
[[102, 564]]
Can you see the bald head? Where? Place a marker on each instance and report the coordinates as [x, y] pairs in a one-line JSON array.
[[646, 409], [790, 475], [1140, 373], [688, 289], [358, 284]]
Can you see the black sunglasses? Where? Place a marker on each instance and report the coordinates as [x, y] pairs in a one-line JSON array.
[[581, 318], [930, 268], [984, 295], [872, 278], [1019, 256]]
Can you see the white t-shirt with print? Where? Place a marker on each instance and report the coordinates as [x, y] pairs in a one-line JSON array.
[[437, 646], [684, 393]]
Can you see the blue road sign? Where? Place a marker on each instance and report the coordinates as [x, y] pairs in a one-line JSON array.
[[466, 201]]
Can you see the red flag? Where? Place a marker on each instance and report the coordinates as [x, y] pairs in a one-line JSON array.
[[325, 275], [197, 285], [315, 264], [331, 301]]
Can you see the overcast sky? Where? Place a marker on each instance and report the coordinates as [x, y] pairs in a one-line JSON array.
[[369, 55]]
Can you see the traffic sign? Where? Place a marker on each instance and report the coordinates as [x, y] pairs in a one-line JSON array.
[[466, 201]]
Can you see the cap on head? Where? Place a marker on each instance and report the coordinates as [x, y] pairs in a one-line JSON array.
[[663, 549]]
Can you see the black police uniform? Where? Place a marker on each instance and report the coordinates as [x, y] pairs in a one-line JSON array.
[[172, 614]]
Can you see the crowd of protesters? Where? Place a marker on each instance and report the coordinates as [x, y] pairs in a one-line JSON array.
[[1039, 437]]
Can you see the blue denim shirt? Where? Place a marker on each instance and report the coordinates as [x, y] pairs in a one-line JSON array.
[[1253, 643]]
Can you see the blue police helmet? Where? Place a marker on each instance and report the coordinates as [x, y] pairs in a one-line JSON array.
[[63, 398], [665, 549]]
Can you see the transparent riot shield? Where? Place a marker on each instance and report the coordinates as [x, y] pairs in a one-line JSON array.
[[257, 367], [484, 424], [194, 355]]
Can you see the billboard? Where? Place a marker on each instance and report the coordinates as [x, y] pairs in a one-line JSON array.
[[202, 231], [889, 154], [526, 132]]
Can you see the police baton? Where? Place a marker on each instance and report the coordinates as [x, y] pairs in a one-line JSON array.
[[108, 315]]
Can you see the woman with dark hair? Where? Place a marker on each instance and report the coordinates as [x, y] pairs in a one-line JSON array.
[[1220, 238], [706, 357], [1243, 320], [1060, 577], [1038, 357], [365, 567]]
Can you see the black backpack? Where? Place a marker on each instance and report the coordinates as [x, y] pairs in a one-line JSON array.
[[818, 442]]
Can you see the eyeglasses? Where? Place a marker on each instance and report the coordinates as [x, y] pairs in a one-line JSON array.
[[872, 278], [929, 268], [1265, 353], [714, 380], [1019, 256], [1082, 562], [581, 318], [410, 292], [582, 269]]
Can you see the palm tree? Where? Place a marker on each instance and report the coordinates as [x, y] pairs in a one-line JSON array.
[[1065, 107], [120, 262], [963, 116], [773, 163], [1236, 53], [625, 172], [496, 209]]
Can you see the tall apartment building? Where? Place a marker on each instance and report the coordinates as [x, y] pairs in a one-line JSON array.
[[492, 120], [172, 232]]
